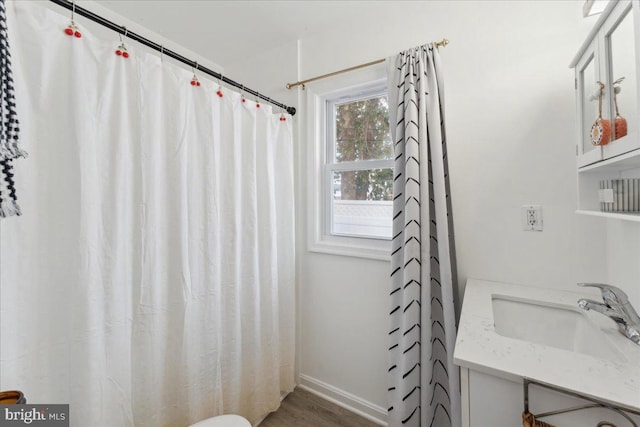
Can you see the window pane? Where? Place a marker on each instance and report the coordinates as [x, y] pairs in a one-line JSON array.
[[589, 104], [362, 203], [362, 130], [623, 69]]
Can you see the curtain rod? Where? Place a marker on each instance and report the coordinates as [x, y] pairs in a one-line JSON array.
[[441, 43], [157, 47]]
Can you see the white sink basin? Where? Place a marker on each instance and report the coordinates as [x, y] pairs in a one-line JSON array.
[[555, 325]]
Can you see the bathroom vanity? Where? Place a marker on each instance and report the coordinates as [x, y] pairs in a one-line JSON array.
[[509, 333]]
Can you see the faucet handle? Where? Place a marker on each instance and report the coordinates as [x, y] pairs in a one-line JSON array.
[[609, 292]]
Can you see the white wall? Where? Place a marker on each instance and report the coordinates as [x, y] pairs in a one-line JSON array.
[[510, 120], [268, 72], [623, 260]]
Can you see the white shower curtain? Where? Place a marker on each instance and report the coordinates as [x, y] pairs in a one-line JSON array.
[[150, 280]]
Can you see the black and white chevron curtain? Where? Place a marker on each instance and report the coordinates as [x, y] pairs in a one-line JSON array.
[[423, 381], [9, 126]]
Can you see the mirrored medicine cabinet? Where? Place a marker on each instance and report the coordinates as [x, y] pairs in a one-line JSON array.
[[607, 101]]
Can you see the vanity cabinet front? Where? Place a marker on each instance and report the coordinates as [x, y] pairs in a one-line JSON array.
[[489, 400]]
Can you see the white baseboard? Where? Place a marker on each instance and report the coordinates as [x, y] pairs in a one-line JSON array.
[[348, 401]]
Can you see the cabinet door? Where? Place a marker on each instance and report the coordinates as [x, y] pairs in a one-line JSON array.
[[620, 47], [587, 76]]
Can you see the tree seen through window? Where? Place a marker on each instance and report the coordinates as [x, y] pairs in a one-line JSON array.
[[362, 133]]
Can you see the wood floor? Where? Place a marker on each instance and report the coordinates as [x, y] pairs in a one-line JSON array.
[[304, 409]]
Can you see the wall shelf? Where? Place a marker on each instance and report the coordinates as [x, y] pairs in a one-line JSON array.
[[627, 161], [613, 215]]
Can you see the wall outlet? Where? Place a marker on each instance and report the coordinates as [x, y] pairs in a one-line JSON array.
[[532, 217]]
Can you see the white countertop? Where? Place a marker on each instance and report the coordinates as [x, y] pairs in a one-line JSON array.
[[480, 348]]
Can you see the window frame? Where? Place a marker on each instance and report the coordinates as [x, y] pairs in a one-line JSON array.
[[320, 183]]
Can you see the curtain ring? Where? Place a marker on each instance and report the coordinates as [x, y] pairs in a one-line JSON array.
[[219, 92], [125, 35], [161, 53], [194, 80], [72, 28]]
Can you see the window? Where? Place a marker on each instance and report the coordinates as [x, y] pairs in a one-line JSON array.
[[350, 178], [359, 167]]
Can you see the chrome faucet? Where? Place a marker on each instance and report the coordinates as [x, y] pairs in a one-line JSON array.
[[616, 306]]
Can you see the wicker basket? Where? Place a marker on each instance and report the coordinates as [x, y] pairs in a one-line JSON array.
[[12, 397]]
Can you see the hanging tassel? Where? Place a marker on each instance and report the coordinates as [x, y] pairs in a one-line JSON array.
[[6, 210], [9, 125], [10, 205], [5, 153], [16, 208]]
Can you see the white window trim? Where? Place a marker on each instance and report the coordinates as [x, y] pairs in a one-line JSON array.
[[319, 239]]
